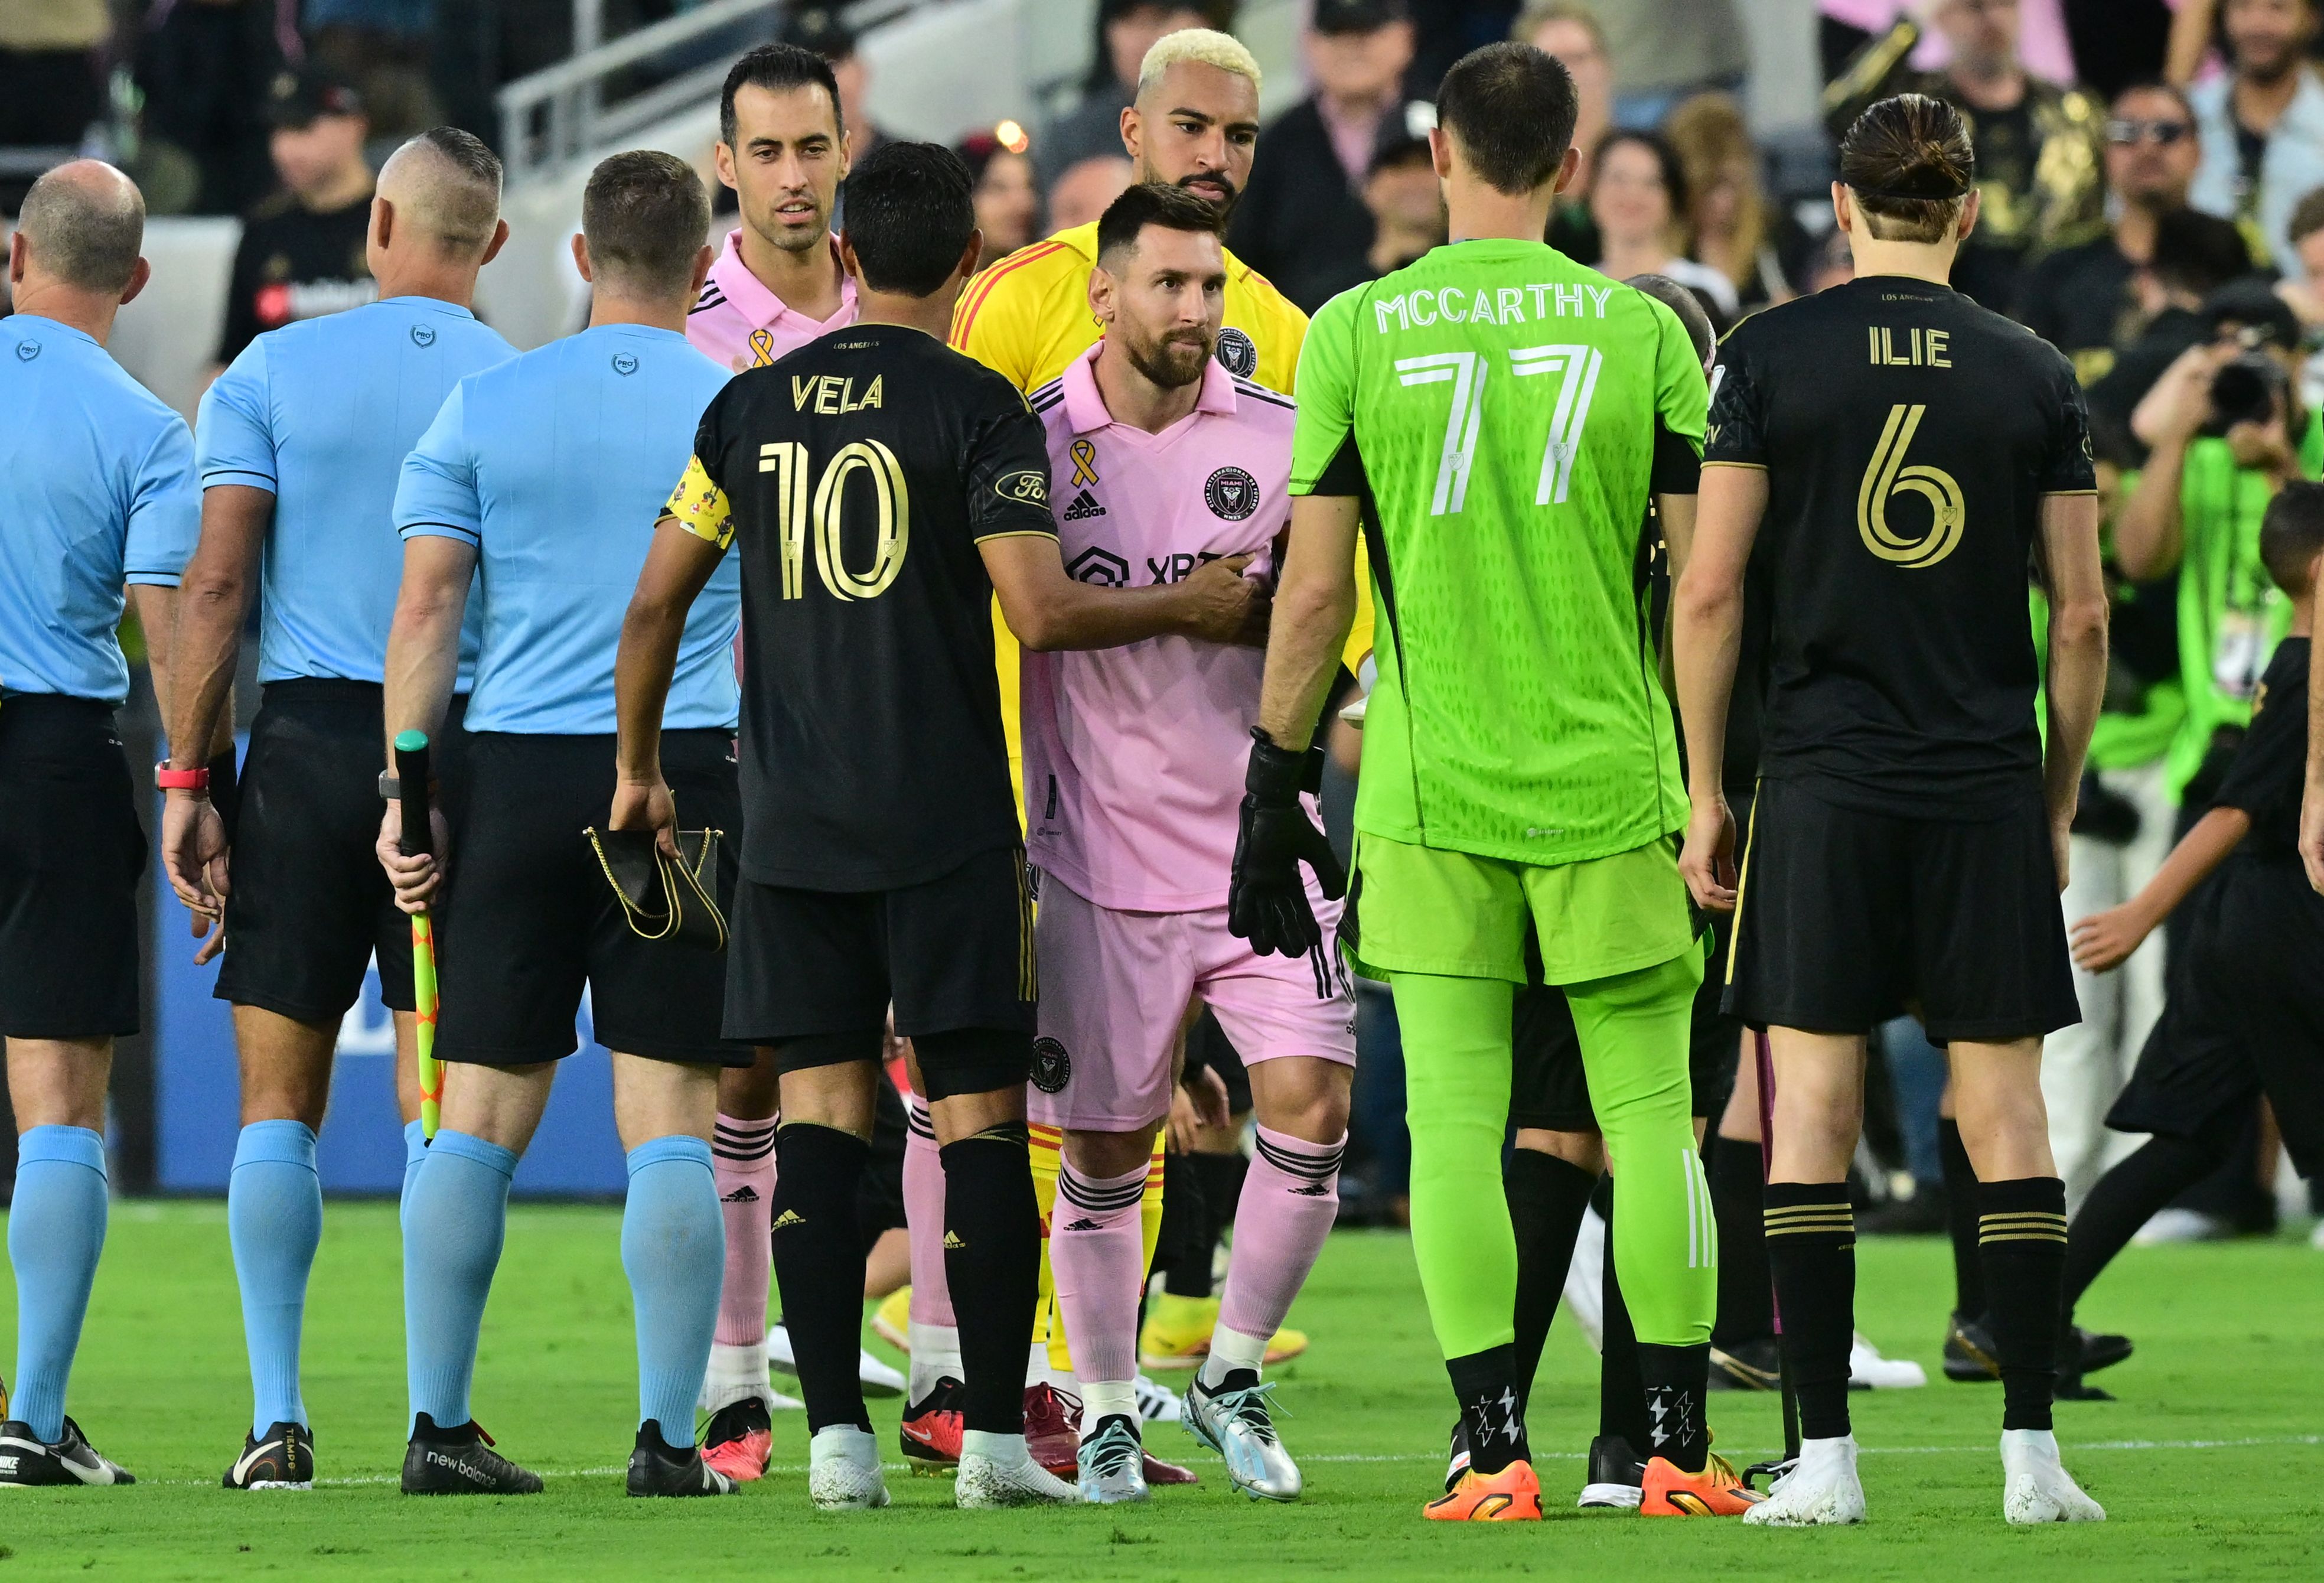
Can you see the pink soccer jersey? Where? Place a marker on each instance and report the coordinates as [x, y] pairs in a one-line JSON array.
[[737, 323], [1134, 756]]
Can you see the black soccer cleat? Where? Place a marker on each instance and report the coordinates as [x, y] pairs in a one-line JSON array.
[[2088, 1351], [284, 1458], [1617, 1476], [656, 1468], [460, 1462], [29, 1462], [1970, 1355], [1756, 1365]]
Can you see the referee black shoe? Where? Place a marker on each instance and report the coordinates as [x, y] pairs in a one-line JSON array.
[[460, 1462], [27, 1461], [2088, 1351], [656, 1468], [1617, 1476], [282, 1458]]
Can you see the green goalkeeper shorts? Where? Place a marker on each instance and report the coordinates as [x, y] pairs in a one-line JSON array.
[[1426, 910]]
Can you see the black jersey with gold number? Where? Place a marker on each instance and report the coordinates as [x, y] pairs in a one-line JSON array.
[[859, 474], [1908, 437]]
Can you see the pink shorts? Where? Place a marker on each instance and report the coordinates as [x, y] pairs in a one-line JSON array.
[[1115, 988]]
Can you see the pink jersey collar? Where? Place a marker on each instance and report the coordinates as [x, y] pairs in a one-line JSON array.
[[749, 295], [1085, 405]]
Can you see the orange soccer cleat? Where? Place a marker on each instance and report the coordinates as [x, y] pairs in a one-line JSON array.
[[1718, 1491], [1511, 1496]]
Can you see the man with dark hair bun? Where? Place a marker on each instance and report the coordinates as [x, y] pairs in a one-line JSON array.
[[1905, 455]]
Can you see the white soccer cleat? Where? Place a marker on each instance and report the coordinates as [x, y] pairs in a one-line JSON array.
[[2035, 1487], [1235, 1423], [843, 1470], [1821, 1490], [1157, 1404], [1585, 1280], [1868, 1371], [997, 1471]]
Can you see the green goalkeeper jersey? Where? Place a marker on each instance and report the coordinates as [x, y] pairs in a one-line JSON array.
[[1504, 415]]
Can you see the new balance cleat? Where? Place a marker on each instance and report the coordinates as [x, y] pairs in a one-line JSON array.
[[1618, 1476], [29, 1462], [1867, 1370], [891, 1321], [1970, 1355], [1053, 1429], [738, 1439], [1176, 1334], [2035, 1487], [1112, 1469], [656, 1468], [1756, 1365], [931, 1428], [843, 1470], [1718, 1491], [282, 1458], [1821, 1490], [1234, 1422], [460, 1462], [1511, 1496], [998, 1471]]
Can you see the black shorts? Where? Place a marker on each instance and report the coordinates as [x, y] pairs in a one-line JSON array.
[[950, 955], [71, 851], [309, 906], [1846, 919], [2245, 1016], [1548, 1088], [528, 918]]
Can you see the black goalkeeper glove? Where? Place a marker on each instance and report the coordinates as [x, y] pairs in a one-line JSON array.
[[1267, 900]]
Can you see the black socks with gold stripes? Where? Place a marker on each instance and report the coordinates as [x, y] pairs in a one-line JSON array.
[[1812, 1253], [2021, 1238]]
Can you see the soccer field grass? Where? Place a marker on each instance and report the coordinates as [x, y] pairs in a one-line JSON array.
[[2208, 1464]]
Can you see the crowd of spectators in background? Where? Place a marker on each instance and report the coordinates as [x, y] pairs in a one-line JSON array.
[[2151, 173]]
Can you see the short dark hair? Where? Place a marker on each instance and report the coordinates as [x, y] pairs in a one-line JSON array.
[[777, 68], [2198, 252], [2155, 85], [1152, 203], [2291, 536], [1511, 109], [645, 215], [1909, 163], [910, 211], [2307, 217], [1678, 299], [1673, 170]]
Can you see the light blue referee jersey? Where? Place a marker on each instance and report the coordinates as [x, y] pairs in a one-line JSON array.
[[556, 466], [322, 413], [97, 491]]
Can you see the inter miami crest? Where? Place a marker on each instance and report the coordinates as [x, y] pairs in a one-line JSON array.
[[1232, 494], [1237, 354], [1052, 1067]]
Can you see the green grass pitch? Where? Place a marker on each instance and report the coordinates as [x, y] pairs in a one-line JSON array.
[[2208, 1464]]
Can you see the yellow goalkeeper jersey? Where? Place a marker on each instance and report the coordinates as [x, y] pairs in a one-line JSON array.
[[1028, 316]]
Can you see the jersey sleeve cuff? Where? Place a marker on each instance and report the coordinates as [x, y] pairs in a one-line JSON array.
[[1017, 533], [151, 579], [440, 531], [1733, 462], [243, 476]]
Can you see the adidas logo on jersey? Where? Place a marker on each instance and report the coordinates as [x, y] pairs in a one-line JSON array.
[[746, 1194], [788, 1218], [1083, 506], [952, 1240]]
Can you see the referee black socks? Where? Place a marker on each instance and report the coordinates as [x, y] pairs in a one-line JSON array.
[[2021, 1244], [818, 1252], [992, 1261], [1547, 1199], [1812, 1253]]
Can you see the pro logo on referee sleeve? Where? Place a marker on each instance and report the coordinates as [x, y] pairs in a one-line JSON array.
[[1885, 477], [1028, 485]]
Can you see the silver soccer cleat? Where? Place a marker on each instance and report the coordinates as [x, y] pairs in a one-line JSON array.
[[1112, 1464], [1236, 1424]]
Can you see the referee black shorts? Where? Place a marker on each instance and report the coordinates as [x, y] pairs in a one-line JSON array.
[[71, 851], [528, 918], [1844, 917], [1548, 1088], [952, 956], [309, 906]]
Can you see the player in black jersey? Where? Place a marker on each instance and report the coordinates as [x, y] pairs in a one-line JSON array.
[[1908, 457], [882, 488]]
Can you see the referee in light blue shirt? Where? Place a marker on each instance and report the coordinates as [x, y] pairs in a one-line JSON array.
[[97, 493], [300, 444], [540, 482]]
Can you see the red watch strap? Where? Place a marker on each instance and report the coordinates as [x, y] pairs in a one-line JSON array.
[[170, 780]]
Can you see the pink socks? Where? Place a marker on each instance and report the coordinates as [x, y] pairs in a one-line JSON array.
[[1289, 1200], [1097, 1256], [743, 1162]]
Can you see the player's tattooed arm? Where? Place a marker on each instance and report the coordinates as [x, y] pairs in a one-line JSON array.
[[1315, 606]]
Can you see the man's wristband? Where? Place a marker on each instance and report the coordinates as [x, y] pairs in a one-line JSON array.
[[196, 782]]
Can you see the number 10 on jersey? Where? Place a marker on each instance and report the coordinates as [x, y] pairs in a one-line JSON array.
[[1577, 367], [787, 462]]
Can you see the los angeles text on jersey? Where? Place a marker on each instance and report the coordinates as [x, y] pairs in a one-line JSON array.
[[1500, 305]]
